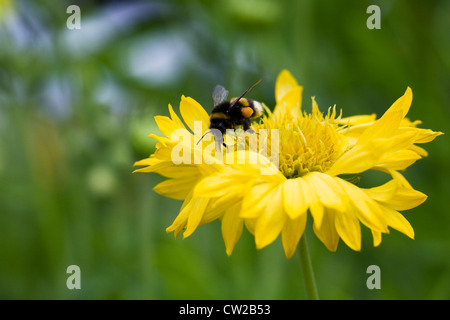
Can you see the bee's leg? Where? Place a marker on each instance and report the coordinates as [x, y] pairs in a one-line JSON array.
[[246, 124], [219, 143], [218, 138], [219, 146]]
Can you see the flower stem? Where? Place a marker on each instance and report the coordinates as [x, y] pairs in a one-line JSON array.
[[307, 271]]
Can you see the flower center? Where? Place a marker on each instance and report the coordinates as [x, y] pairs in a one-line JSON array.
[[307, 142]]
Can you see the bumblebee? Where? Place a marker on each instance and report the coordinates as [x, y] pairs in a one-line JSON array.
[[228, 114]]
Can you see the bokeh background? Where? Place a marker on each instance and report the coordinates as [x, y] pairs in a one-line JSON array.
[[76, 107]]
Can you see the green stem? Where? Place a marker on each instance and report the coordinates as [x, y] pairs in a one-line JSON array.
[[307, 271]]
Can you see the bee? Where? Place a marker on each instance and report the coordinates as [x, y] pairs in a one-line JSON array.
[[228, 114]]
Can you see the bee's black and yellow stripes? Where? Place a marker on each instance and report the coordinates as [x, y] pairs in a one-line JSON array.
[[243, 101], [219, 115]]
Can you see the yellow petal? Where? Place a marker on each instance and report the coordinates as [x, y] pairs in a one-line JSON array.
[[255, 200], [158, 166], [296, 197], [317, 211], [419, 150], [384, 127], [398, 222], [348, 228], [271, 222], [261, 167], [397, 142], [376, 238], [162, 140], [166, 125], [326, 232], [290, 103], [178, 171], [192, 111], [218, 206], [363, 157], [398, 160], [396, 196], [367, 210], [250, 225], [150, 162], [284, 83], [422, 135], [292, 232], [401, 180], [327, 189], [232, 226], [176, 188], [175, 118], [389, 123], [383, 193], [179, 223], [164, 153], [358, 159], [197, 208], [356, 120], [216, 186], [354, 132], [146, 162]]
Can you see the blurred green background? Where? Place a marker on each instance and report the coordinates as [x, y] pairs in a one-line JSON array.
[[76, 107]]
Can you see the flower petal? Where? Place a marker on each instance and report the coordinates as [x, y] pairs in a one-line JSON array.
[[326, 231], [179, 223], [376, 238], [327, 189], [271, 222], [166, 125], [358, 159], [175, 117], [232, 226], [398, 222], [296, 197], [419, 150], [255, 200], [196, 207], [192, 111], [292, 232], [396, 196], [367, 210], [389, 123], [398, 160], [290, 103], [348, 228], [176, 188], [422, 135], [177, 171], [220, 185], [284, 83], [383, 193], [156, 166], [357, 120], [147, 162], [162, 141]]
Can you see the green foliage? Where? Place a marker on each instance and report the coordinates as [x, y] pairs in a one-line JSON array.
[[76, 107]]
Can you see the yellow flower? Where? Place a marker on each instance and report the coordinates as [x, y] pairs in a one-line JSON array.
[[319, 157]]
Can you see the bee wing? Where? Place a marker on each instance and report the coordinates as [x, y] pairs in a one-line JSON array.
[[219, 95]]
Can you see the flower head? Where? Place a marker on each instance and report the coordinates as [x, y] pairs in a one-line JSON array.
[[318, 159]]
